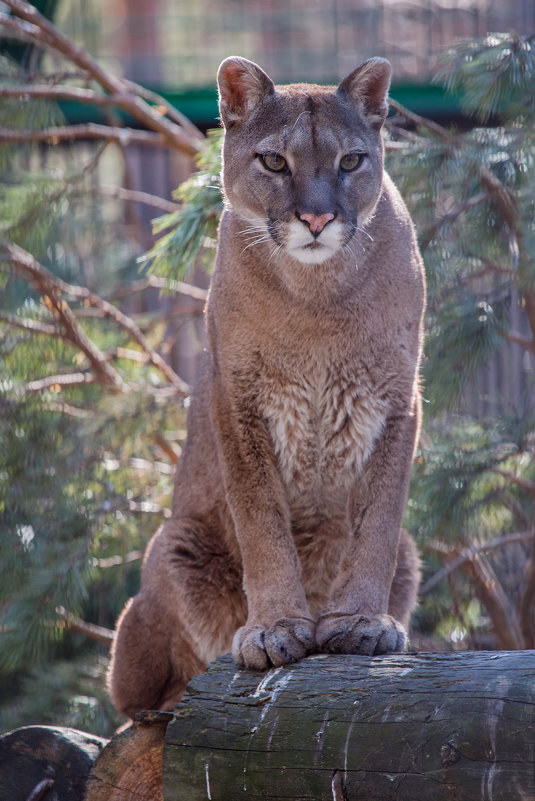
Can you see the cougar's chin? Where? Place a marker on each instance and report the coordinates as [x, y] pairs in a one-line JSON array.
[[303, 246]]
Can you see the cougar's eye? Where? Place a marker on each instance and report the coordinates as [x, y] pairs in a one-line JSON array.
[[351, 161], [273, 162]]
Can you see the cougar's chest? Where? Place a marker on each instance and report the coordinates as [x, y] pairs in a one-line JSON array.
[[323, 424]]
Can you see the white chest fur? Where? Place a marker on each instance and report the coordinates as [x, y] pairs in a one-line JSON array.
[[323, 426]]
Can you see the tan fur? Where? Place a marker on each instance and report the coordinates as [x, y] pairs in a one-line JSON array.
[[285, 534]]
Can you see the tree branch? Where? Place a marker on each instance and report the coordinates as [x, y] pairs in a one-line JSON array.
[[113, 561], [81, 95], [422, 122], [89, 130], [60, 380], [451, 216], [504, 616], [34, 326], [163, 283], [135, 196], [90, 630], [174, 135], [458, 559], [528, 486], [52, 287]]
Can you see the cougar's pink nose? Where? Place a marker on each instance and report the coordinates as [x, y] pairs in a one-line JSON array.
[[317, 222]]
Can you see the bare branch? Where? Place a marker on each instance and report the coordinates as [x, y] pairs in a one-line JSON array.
[[66, 408], [175, 136], [504, 617], [138, 197], [55, 92], [458, 559], [60, 380], [163, 283], [34, 326], [114, 561], [171, 111], [119, 100], [89, 630], [422, 122], [89, 130]]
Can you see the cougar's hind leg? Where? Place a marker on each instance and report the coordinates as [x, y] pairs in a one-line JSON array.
[[143, 674], [190, 604], [404, 591]]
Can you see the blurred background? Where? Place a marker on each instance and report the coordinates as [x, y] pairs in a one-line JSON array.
[[177, 46]]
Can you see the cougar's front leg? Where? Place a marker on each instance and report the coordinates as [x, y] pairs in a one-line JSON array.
[[279, 628], [356, 618]]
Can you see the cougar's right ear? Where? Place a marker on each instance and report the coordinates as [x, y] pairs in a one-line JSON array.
[[242, 85]]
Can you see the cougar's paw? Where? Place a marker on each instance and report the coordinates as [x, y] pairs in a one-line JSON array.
[[259, 648], [338, 633]]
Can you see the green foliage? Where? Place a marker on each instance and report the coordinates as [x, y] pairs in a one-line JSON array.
[[494, 76], [472, 196], [83, 481], [189, 233]]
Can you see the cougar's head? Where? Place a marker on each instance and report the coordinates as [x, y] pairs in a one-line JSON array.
[[303, 164]]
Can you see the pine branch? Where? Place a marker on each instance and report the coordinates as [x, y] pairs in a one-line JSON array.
[[52, 287], [450, 217]]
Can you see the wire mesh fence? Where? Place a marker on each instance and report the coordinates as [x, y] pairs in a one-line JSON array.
[[179, 43]]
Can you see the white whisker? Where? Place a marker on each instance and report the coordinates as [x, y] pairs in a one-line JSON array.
[[363, 231], [274, 251], [263, 238]]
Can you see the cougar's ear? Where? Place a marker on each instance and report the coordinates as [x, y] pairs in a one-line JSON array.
[[242, 85], [368, 85]]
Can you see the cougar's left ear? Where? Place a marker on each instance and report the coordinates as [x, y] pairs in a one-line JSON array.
[[242, 86], [368, 85]]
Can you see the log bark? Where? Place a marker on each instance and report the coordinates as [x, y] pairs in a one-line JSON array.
[[46, 762], [447, 727]]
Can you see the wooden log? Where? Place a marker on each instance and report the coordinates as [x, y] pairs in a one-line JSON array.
[[447, 727], [46, 762], [130, 766]]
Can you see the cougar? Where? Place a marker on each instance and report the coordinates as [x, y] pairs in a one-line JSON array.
[[285, 537]]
